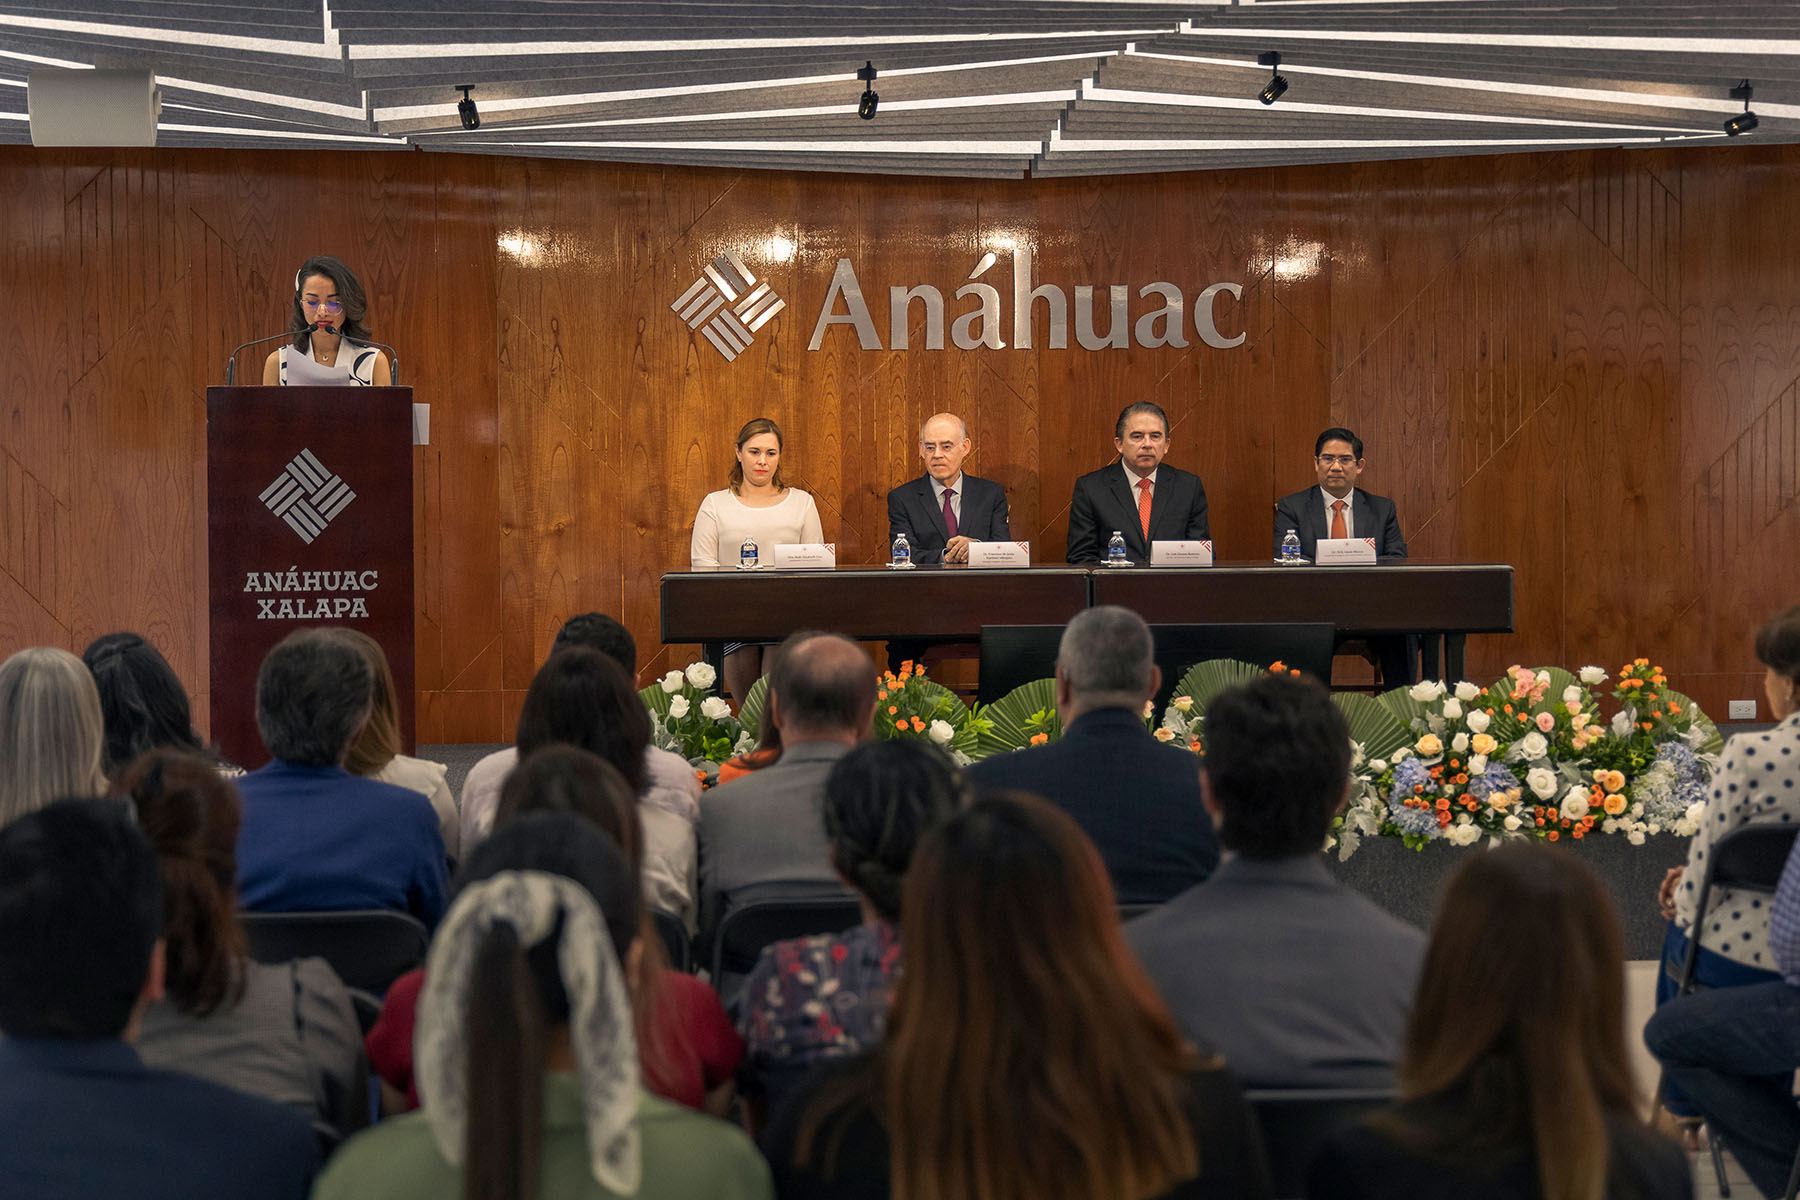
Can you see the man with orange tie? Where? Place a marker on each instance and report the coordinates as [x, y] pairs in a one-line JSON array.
[[1338, 509], [1137, 496]]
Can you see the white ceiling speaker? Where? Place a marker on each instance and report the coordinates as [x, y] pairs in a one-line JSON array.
[[92, 108]]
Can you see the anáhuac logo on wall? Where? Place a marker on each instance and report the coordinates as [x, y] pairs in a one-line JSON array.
[[307, 496], [1114, 317]]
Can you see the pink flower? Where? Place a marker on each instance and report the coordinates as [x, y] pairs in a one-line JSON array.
[[1546, 722]]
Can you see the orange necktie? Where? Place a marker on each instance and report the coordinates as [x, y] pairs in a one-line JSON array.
[[1337, 519], [1144, 508]]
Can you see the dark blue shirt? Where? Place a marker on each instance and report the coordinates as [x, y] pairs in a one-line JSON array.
[[319, 839]]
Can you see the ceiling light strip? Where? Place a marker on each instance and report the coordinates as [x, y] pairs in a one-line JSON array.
[[691, 45], [1252, 104], [859, 146], [1001, 100], [1177, 145], [1782, 47], [139, 33]]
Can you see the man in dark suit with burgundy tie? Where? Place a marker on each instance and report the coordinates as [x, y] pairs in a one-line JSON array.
[[1337, 508], [943, 510], [1138, 496]]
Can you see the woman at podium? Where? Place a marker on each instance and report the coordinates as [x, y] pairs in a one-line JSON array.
[[327, 348]]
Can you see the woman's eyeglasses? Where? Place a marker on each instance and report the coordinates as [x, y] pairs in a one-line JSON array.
[[333, 307]]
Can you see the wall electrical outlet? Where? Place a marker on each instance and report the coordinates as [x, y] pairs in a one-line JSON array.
[[1741, 710]]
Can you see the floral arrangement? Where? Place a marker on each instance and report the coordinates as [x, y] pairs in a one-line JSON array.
[[686, 718], [908, 705]]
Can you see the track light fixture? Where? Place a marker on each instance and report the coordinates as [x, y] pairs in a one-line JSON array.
[[1273, 89], [465, 108], [865, 107], [1745, 121]]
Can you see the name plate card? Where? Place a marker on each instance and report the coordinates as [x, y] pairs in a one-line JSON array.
[[806, 556], [1181, 554], [999, 554], [1345, 552]]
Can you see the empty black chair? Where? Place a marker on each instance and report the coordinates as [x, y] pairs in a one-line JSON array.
[[1304, 645], [368, 948], [674, 935], [746, 929], [1295, 1120], [1014, 655]]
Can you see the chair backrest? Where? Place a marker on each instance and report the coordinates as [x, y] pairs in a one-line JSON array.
[[1130, 912], [368, 948], [676, 943], [1014, 655], [1749, 858], [746, 929], [1295, 1121]]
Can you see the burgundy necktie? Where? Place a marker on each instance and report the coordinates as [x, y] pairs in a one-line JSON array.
[[949, 513]]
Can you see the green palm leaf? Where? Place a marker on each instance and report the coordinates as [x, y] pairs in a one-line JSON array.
[[1372, 725], [1404, 709], [656, 700], [1012, 716], [1205, 680], [1560, 680], [751, 710], [1711, 742]]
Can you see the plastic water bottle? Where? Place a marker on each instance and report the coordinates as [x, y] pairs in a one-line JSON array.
[[1115, 551], [902, 556], [747, 555], [1290, 549]]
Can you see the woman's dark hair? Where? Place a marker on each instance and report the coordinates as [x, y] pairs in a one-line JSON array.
[[584, 698], [1777, 645], [516, 994], [1517, 1033], [880, 799], [192, 815], [349, 291], [753, 428], [142, 701], [563, 778]]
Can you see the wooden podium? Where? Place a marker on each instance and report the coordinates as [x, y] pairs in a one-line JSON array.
[[309, 522]]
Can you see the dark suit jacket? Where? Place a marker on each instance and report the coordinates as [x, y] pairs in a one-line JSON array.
[[1370, 516], [1104, 501], [87, 1118], [1138, 799], [913, 509]]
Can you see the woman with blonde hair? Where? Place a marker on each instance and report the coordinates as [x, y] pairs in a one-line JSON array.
[[51, 731], [1514, 1080]]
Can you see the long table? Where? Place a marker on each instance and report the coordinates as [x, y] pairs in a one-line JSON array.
[[1437, 600]]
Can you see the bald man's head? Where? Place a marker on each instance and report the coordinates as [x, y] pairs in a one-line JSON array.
[[943, 444], [823, 687]]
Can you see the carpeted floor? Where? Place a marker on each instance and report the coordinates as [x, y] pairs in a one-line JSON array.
[[459, 757]]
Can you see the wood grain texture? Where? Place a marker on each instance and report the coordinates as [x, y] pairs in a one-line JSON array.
[[1586, 364]]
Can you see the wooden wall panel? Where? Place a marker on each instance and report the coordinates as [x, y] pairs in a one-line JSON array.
[[1587, 364]]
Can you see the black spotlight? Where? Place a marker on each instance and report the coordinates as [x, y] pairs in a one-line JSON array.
[[465, 108], [865, 108], [1273, 89], [1745, 121]]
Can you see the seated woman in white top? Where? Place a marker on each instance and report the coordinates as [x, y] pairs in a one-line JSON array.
[[759, 507], [330, 344]]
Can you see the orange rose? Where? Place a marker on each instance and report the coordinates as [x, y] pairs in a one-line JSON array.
[[892, 709], [1614, 804], [1443, 819], [1038, 739], [1554, 835], [900, 724], [918, 725], [881, 695]]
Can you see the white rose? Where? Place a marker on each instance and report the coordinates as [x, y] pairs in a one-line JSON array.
[[671, 683], [1572, 697], [678, 707], [1378, 765], [1466, 691], [1635, 837], [1512, 824], [1477, 765], [1533, 745], [1541, 781], [1621, 723], [1453, 708], [1479, 721], [1460, 743], [713, 708], [1592, 675], [941, 733], [1463, 835], [1575, 803], [1424, 691], [701, 675], [1183, 703]]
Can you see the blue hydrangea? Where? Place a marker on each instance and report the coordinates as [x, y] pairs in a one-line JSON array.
[[1690, 775], [1408, 775], [1497, 778]]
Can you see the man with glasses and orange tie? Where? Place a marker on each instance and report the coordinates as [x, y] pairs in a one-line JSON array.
[[330, 346], [1338, 509], [1136, 497]]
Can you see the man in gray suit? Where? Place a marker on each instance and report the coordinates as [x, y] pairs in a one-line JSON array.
[[764, 834], [1296, 979]]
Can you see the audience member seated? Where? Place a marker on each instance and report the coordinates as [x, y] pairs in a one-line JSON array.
[[826, 997], [51, 732], [1027, 1054], [286, 1032], [668, 791], [529, 991], [143, 703], [1758, 783], [1138, 799], [315, 837], [375, 754], [688, 1047], [80, 958], [764, 834], [1298, 980], [1514, 1080]]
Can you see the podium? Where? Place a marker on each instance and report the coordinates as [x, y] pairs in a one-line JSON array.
[[309, 521]]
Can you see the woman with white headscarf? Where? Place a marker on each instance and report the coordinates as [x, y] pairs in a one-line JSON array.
[[527, 994]]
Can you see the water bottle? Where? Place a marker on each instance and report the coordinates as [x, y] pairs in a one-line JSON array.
[[1115, 551], [747, 555], [1290, 549], [902, 556]]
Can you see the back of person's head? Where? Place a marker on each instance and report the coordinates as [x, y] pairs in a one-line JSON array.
[[1778, 644], [1517, 1032], [51, 730], [821, 683], [80, 913], [546, 913], [142, 702], [192, 815], [312, 695], [597, 631], [1278, 761], [582, 697], [1027, 1054], [563, 778], [1107, 658], [880, 799], [378, 741]]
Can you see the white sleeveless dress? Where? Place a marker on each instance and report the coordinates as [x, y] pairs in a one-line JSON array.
[[355, 367]]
